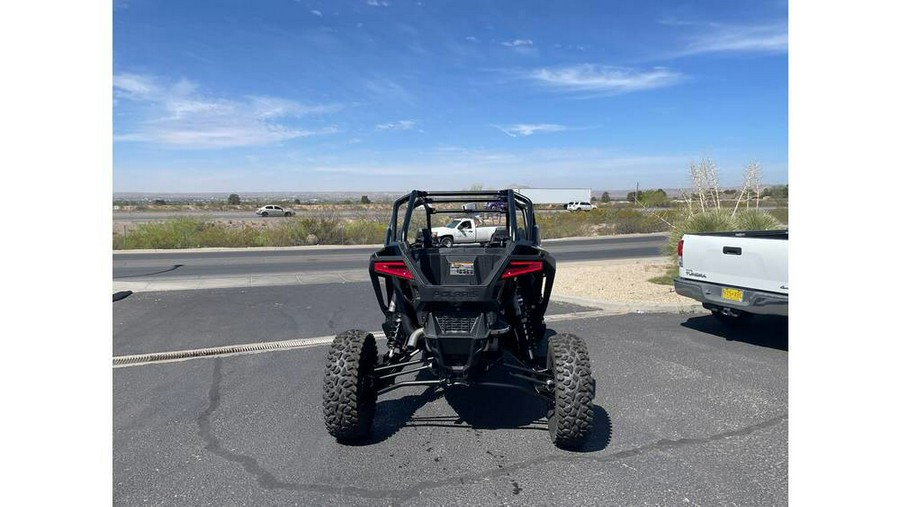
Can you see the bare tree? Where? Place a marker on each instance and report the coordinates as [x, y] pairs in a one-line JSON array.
[[753, 181], [705, 178]]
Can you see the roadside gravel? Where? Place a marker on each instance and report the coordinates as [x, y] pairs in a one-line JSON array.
[[621, 285]]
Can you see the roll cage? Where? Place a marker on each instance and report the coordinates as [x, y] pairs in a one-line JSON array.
[[519, 212]]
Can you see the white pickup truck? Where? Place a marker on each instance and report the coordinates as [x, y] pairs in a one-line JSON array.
[[735, 274], [463, 230]]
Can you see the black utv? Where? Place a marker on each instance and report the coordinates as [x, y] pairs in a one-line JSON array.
[[457, 313]]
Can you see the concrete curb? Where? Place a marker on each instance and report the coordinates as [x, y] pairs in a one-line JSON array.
[[633, 307]]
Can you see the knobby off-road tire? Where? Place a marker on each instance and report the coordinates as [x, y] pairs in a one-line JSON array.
[[350, 393], [572, 420]]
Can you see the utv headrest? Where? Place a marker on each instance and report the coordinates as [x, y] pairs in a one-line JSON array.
[[500, 237]]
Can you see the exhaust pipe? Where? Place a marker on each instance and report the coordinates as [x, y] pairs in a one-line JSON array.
[[414, 337]]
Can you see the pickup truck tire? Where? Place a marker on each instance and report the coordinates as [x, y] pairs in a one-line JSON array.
[[350, 393], [447, 241], [572, 419], [741, 319]]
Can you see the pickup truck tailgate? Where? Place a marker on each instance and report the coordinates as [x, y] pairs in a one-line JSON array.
[[758, 263]]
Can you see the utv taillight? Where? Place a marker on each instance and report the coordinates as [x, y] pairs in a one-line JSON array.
[[517, 268], [393, 268]]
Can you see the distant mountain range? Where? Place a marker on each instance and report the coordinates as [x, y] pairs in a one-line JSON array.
[[331, 196]]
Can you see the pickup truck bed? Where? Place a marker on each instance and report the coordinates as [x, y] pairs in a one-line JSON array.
[[736, 273]]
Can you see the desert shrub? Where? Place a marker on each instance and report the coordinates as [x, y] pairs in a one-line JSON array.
[[755, 220], [321, 229], [186, 233], [627, 221], [780, 214], [364, 232], [720, 220], [566, 225], [715, 220]]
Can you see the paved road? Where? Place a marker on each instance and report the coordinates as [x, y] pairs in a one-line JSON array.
[[150, 216], [176, 264], [687, 412]]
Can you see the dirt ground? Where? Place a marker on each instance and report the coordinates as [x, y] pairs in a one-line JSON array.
[[619, 281]]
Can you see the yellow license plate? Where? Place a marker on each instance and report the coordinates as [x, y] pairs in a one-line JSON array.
[[733, 294]]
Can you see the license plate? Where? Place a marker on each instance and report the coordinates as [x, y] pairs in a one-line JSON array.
[[732, 294], [462, 268]]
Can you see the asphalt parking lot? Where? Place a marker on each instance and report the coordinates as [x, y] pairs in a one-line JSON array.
[[686, 412]]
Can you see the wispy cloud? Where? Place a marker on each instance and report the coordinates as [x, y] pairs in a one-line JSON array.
[[377, 3], [543, 167], [605, 79], [524, 129], [178, 115], [717, 38], [398, 125], [517, 43], [317, 13]]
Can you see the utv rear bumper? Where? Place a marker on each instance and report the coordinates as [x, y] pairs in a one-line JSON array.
[[753, 301]]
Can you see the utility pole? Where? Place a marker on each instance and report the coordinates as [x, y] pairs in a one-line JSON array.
[[637, 189]]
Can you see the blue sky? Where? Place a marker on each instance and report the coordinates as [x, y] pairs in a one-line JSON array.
[[356, 95]]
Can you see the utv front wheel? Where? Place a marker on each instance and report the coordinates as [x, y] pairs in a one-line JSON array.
[[572, 420], [350, 393]]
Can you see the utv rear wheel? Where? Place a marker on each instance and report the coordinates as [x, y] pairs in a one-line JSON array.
[[350, 394], [572, 420], [447, 241]]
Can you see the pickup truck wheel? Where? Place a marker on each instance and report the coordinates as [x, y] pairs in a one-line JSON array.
[[447, 241], [741, 319], [572, 419], [350, 392]]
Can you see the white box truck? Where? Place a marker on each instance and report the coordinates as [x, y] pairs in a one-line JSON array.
[[559, 196]]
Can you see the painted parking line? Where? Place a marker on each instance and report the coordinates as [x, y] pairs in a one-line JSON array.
[[272, 346]]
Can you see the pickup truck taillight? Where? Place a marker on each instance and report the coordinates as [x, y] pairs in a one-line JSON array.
[[393, 268], [680, 253], [517, 268]]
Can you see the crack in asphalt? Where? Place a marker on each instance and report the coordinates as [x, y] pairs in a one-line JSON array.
[[214, 445], [268, 481]]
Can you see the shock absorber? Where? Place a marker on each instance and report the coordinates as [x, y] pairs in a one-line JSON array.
[[393, 331], [525, 325]]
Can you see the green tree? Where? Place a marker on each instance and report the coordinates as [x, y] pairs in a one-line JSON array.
[[365, 200], [234, 199], [777, 191], [604, 197]]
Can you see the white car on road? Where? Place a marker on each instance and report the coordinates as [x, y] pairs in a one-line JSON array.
[[579, 206], [272, 210]]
